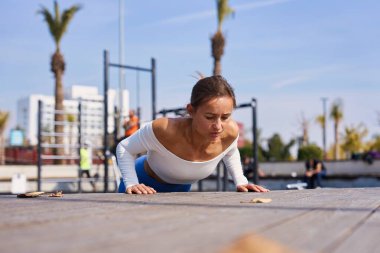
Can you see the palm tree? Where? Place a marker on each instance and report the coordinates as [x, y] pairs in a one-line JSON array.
[[218, 41], [321, 121], [336, 114], [374, 145], [57, 25], [4, 116], [353, 139], [304, 123]]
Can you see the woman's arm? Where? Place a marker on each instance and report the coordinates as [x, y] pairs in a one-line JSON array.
[[126, 152], [233, 164]]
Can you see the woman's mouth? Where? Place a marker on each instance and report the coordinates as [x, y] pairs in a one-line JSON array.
[[215, 134]]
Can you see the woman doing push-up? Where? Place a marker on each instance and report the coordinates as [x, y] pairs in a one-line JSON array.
[[181, 151]]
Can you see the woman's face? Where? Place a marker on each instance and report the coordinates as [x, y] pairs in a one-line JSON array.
[[211, 118]]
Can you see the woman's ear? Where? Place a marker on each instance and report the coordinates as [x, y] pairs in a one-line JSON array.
[[189, 109]]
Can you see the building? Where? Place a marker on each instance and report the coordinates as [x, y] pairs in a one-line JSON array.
[[92, 111]]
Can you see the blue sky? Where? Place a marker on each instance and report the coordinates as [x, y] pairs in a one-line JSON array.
[[286, 53]]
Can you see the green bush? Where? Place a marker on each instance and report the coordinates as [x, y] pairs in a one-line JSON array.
[[311, 151], [247, 151]]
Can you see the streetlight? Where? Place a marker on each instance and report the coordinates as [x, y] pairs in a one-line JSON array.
[[324, 100]]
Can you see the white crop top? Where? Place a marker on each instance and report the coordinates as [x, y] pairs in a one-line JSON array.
[[169, 167]]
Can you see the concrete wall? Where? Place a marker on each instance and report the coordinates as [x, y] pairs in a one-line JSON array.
[[335, 168]]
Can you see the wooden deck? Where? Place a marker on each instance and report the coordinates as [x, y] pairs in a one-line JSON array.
[[321, 220]]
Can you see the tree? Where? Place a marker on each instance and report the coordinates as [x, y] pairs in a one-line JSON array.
[[247, 149], [321, 121], [336, 114], [375, 144], [4, 116], [57, 25], [352, 139], [304, 123], [277, 150], [311, 151], [218, 41]]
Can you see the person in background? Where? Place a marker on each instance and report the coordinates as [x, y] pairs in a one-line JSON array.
[[247, 163], [131, 124], [181, 151], [86, 162], [315, 170]]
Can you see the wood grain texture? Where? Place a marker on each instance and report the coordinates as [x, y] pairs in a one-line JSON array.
[[306, 221]]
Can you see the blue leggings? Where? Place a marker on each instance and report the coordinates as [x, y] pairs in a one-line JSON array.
[[144, 178]]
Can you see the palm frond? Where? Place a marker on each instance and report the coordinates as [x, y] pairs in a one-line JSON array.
[[50, 20], [57, 13], [336, 112], [224, 10], [321, 120], [3, 120], [58, 23], [67, 16]]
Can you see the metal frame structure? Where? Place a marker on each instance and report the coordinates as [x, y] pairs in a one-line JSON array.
[[40, 145], [80, 135], [106, 65], [180, 111]]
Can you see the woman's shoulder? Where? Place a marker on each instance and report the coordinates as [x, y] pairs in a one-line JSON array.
[[232, 129], [167, 126]]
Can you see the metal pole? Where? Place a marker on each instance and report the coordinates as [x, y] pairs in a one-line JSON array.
[[121, 62], [200, 186], [225, 177], [138, 109], [105, 140], [324, 127], [254, 134], [116, 128], [153, 63], [79, 144], [218, 168], [39, 148]]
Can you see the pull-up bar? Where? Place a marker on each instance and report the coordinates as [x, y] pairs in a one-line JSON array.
[[106, 65]]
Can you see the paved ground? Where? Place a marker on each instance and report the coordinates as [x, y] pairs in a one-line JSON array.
[[322, 220]]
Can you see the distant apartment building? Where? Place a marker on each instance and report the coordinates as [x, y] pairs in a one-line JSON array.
[[92, 111]]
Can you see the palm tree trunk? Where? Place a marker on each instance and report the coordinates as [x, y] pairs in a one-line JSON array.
[[217, 68], [217, 47], [58, 67], [2, 149]]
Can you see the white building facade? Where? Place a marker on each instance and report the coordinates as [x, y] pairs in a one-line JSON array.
[[92, 111]]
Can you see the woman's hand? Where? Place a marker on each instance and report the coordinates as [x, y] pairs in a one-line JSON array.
[[251, 187], [140, 189]]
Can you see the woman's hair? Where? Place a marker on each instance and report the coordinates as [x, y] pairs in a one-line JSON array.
[[211, 87]]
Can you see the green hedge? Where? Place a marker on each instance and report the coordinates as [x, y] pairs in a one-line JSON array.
[[311, 151]]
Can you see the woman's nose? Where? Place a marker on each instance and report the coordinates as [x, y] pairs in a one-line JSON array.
[[218, 125]]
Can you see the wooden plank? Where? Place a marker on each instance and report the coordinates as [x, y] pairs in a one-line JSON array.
[[364, 238], [327, 223]]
